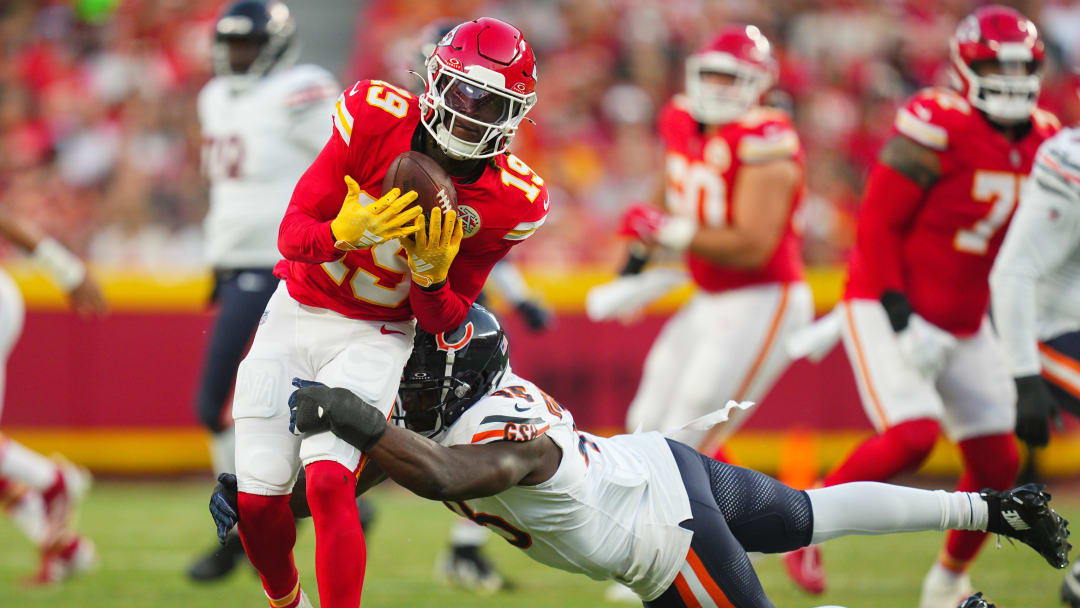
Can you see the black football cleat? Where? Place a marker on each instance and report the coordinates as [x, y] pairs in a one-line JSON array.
[[464, 566], [976, 601], [1024, 513], [367, 514], [1070, 587], [219, 561]]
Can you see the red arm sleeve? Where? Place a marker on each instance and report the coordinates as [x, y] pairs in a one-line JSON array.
[[304, 235], [889, 204], [446, 308]]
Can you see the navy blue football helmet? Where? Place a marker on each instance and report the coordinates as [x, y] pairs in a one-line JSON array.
[[450, 371]]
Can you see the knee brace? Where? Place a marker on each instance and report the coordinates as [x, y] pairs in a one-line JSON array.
[[266, 472]]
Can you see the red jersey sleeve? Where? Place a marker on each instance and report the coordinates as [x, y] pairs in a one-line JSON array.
[[304, 235], [891, 199], [766, 134]]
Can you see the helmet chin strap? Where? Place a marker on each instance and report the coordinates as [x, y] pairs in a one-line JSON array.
[[455, 147], [448, 374]]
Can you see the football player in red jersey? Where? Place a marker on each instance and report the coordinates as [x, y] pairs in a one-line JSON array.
[[734, 181], [352, 285], [913, 320]]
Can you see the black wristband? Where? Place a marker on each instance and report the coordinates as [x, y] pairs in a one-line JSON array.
[[433, 286], [897, 308], [635, 262]]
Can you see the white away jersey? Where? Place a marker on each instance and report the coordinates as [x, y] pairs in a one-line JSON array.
[[257, 140], [1035, 284], [611, 511]]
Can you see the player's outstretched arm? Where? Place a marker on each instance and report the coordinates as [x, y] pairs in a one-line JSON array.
[[458, 472], [424, 467], [893, 194], [66, 268]]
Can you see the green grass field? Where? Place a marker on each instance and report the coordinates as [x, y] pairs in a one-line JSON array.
[[148, 532]]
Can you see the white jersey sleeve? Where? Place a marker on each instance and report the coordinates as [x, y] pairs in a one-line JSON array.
[[310, 104], [1037, 271]]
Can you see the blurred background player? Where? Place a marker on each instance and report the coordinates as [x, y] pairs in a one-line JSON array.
[[1035, 296], [41, 494], [345, 310], [914, 323], [263, 121], [734, 183]]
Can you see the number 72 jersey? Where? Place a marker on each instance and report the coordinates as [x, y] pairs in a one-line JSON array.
[[952, 238], [373, 123]]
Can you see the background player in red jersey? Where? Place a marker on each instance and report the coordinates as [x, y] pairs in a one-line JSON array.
[[346, 306], [913, 320], [734, 182]]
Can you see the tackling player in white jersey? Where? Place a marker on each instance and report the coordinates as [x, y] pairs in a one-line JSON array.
[[263, 120], [651, 513], [1035, 295]]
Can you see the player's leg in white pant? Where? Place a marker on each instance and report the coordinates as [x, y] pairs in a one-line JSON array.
[[736, 348], [16, 461], [664, 365], [976, 387], [980, 414], [370, 366], [771, 359], [891, 391], [267, 453]]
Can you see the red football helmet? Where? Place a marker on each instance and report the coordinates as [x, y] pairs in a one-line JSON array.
[[1001, 40], [741, 52], [481, 81]]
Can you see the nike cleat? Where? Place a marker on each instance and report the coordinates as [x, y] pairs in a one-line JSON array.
[[1025, 514]]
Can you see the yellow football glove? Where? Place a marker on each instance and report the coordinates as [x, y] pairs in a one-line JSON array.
[[433, 250], [359, 226]]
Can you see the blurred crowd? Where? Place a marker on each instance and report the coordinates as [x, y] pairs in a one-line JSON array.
[[100, 144]]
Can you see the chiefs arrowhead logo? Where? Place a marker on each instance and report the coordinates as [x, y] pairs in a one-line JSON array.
[[470, 220]]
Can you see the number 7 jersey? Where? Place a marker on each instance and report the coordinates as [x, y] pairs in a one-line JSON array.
[[373, 123], [950, 240]]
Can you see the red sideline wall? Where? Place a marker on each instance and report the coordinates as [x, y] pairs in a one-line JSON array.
[[117, 394]]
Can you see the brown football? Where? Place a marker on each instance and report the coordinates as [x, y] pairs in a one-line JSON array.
[[415, 171]]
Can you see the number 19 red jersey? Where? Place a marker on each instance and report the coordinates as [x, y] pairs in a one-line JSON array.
[[374, 122], [702, 167], [948, 241]]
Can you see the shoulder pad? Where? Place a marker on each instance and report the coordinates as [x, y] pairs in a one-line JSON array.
[[1057, 164], [526, 194], [308, 84], [1045, 121], [371, 106], [511, 413], [766, 134], [674, 122], [929, 116]]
